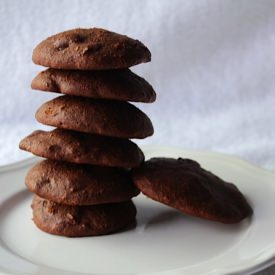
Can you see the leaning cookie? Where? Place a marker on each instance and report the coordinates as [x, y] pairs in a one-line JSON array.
[[103, 117], [83, 148], [80, 221], [121, 85], [184, 185], [73, 184], [90, 49]]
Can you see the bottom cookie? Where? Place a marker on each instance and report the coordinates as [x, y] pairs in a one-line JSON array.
[[81, 221]]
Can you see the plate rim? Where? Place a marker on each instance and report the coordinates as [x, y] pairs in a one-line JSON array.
[[267, 257]]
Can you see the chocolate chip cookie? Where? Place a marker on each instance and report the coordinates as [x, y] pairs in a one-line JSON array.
[[81, 221], [83, 148], [90, 49], [121, 84], [73, 184], [102, 117], [184, 185]]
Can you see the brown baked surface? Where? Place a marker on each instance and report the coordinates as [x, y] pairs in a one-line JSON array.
[[103, 117], [83, 148], [112, 84], [184, 185], [80, 221], [90, 49], [75, 184]]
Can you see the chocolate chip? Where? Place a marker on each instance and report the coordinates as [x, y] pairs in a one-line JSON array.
[[54, 148], [91, 49], [77, 38], [61, 45]]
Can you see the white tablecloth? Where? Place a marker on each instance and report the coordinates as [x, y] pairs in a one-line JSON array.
[[213, 65]]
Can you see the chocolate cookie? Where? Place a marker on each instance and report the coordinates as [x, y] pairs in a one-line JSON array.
[[184, 185], [74, 184], [102, 117], [112, 84], [80, 221], [90, 49], [76, 147]]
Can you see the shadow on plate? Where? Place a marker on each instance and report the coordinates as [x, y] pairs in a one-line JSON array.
[[154, 214]]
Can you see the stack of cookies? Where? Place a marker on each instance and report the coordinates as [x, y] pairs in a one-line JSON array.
[[84, 186]]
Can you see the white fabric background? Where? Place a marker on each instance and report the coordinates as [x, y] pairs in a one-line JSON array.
[[213, 68]]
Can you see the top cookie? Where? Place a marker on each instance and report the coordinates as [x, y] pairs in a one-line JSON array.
[[90, 49], [184, 185]]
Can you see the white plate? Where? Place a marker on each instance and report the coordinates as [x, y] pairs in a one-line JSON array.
[[164, 241]]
